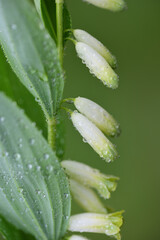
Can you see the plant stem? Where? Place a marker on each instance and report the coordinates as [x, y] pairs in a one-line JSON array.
[[52, 132], [59, 18]]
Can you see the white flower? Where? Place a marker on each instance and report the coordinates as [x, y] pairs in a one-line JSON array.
[[94, 137], [100, 117], [90, 177], [97, 64], [86, 198], [77, 237], [108, 224], [112, 5], [83, 36]]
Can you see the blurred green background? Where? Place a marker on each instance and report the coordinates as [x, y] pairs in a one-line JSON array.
[[134, 37]]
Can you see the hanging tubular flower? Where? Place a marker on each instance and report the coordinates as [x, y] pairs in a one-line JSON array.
[[94, 137], [83, 36], [112, 5], [86, 198], [100, 117], [77, 237], [108, 224], [97, 65], [90, 177]]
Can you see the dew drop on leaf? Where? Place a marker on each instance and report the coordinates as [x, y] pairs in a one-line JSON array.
[[46, 156], [31, 141], [2, 119], [30, 166]]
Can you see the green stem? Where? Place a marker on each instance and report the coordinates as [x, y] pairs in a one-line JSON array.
[[59, 18], [52, 132]]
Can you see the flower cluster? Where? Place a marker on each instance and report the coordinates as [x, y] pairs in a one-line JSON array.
[[93, 178], [95, 125], [97, 58], [82, 180]]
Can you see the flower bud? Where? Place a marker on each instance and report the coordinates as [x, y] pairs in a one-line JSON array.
[[97, 65], [86, 198], [108, 224], [100, 117], [82, 173], [112, 5], [83, 36], [77, 237], [94, 137]]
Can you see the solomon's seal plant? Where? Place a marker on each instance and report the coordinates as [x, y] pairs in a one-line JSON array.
[[36, 183]]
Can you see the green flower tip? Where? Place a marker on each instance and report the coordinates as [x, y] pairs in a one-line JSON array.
[[107, 185], [90, 177], [108, 224]]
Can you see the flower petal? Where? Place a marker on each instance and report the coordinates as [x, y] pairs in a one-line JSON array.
[[97, 65], [83, 36], [99, 116]]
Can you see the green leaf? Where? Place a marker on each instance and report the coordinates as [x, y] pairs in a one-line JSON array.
[[47, 12], [32, 53], [10, 84], [34, 191], [9, 232]]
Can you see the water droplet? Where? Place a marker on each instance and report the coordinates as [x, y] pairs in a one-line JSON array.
[[41, 26], [32, 141], [17, 156], [38, 168], [21, 190], [42, 76], [46, 156], [30, 166], [38, 192], [2, 119], [6, 154], [14, 26], [39, 212], [20, 145], [47, 36], [66, 195], [49, 168], [37, 99], [21, 199]]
